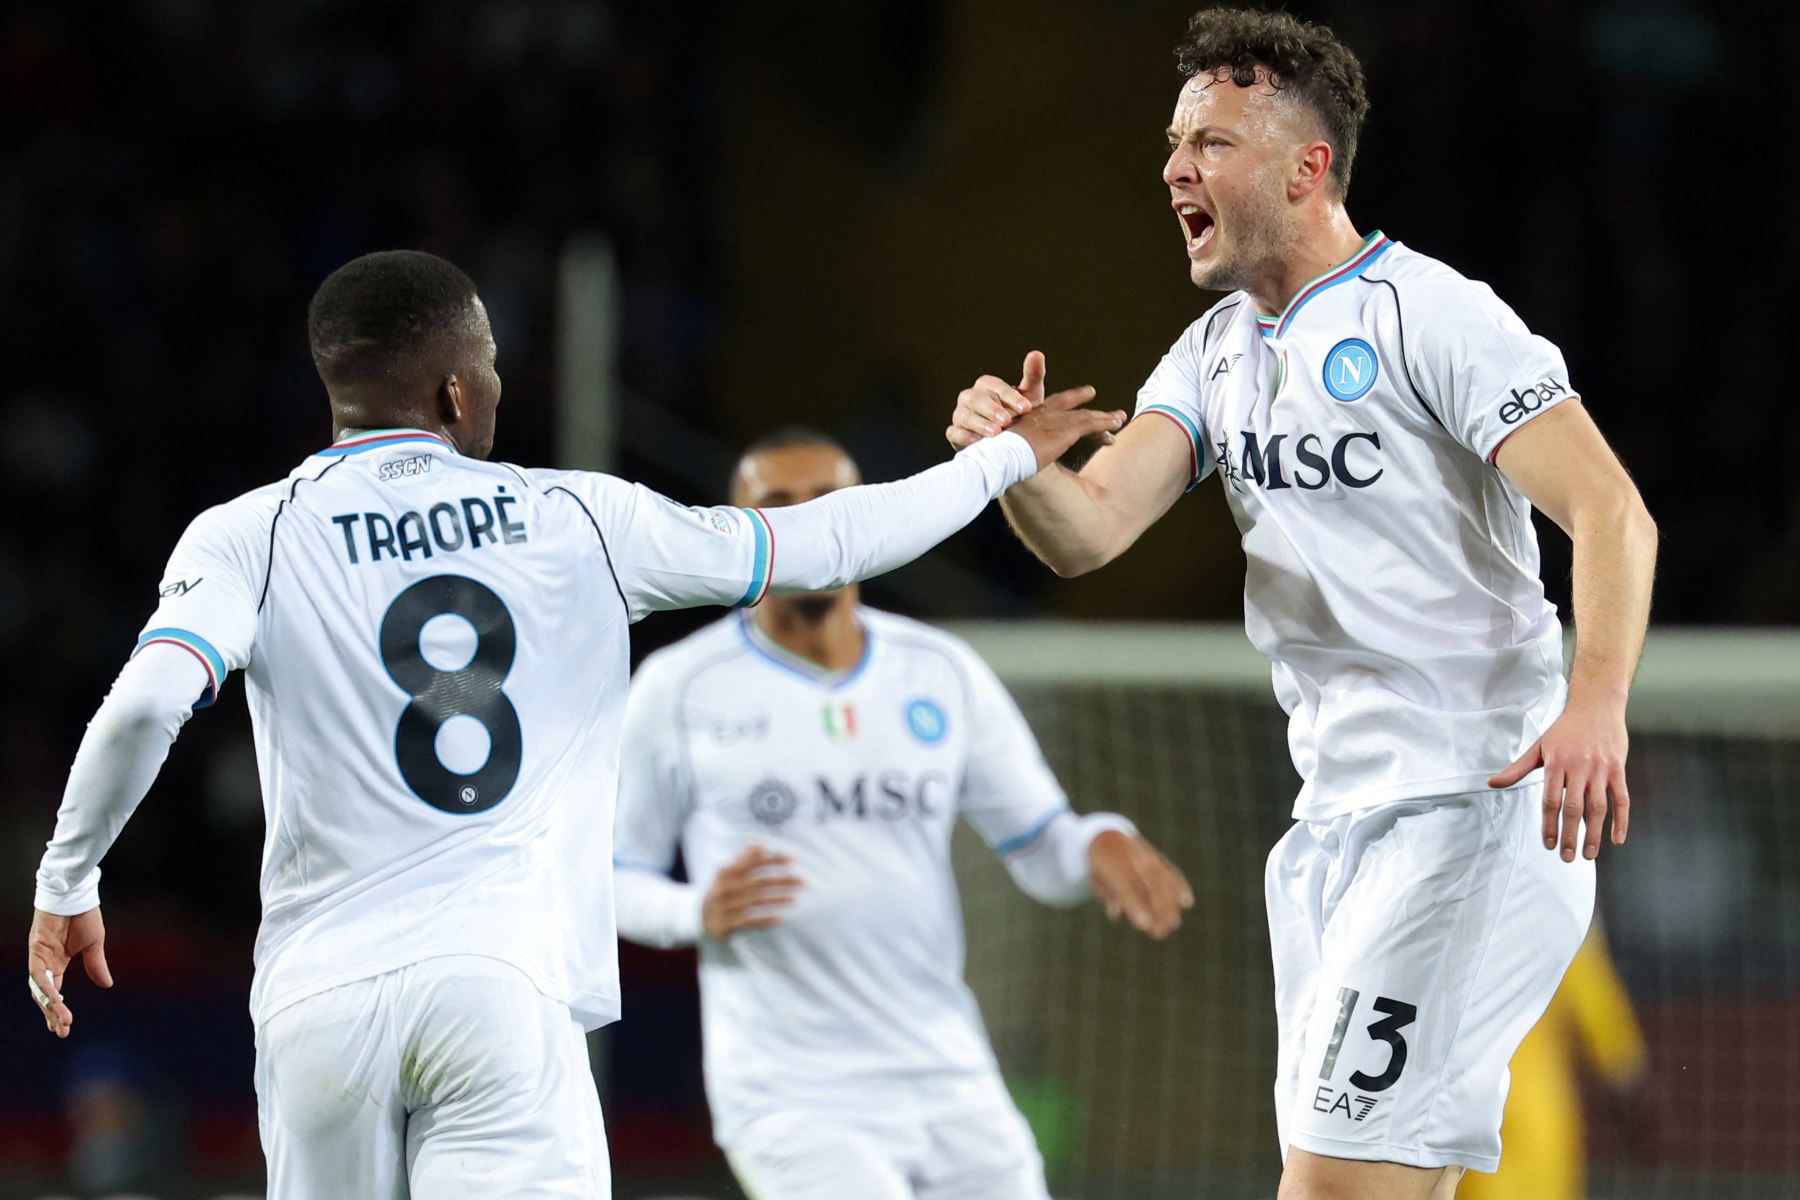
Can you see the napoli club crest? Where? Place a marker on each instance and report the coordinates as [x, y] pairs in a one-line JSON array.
[[926, 721], [1350, 370], [772, 802]]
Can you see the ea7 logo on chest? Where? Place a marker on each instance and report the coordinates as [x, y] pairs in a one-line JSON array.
[[1527, 400]]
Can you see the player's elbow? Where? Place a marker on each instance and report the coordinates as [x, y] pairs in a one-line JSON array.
[[1068, 566], [1078, 558]]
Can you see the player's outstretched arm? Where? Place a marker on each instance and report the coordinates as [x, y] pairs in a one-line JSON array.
[[1563, 466], [858, 532], [124, 748], [666, 556], [1078, 521]]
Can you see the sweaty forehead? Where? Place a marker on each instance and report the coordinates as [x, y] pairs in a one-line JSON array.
[[1212, 98]]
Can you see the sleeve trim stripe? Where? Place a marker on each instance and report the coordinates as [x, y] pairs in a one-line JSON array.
[[1187, 427], [1026, 840], [762, 569], [194, 644]]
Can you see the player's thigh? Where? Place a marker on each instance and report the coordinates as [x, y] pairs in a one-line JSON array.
[[503, 1101], [987, 1154], [1308, 1176], [1443, 949], [1293, 888], [809, 1156], [329, 1108]]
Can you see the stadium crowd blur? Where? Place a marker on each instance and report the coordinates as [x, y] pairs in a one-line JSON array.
[[177, 175]]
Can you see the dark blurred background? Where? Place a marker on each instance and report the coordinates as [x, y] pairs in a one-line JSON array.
[[823, 212]]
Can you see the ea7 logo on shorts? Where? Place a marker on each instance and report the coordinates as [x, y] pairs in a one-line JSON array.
[[1329, 1100], [1527, 400]]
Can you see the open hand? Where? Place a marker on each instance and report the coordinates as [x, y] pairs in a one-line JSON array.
[[1583, 756], [52, 943], [1132, 879], [748, 893], [992, 406]]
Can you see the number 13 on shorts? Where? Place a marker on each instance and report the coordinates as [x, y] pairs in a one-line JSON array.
[[1360, 1093]]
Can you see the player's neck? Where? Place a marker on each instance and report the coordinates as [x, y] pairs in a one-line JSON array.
[[1332, 243], [831, 639]]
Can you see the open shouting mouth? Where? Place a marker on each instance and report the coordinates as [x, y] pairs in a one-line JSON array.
[[1197, 226]]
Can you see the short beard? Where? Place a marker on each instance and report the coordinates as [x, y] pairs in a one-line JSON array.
[[1260, 240]]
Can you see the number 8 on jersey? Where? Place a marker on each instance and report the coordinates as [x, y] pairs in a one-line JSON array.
[[474, 690]]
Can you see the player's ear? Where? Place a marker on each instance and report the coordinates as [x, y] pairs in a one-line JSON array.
[[452, 400], [1311, 169]]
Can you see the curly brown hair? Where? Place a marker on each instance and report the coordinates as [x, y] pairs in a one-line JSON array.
[[1296, 56]]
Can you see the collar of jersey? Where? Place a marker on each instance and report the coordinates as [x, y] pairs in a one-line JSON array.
[[776, 655], [375, 439], [1373, 247]]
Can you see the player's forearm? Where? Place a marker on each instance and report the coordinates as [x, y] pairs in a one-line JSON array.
[[1054, 868], [654, 910], [1615, 563], [860, 532], [123, 749], [1063, 519]]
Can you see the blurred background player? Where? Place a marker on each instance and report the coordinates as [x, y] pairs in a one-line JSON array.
[[810, 762], [1381, 427], [435, 650], [1589, 1029]]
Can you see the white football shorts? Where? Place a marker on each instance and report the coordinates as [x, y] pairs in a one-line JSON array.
[[450, 1077], [982, 1153], [1415, 945]]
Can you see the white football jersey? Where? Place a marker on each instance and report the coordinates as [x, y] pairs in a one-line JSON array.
[[859, 777], [435, 654], [1392, 571]]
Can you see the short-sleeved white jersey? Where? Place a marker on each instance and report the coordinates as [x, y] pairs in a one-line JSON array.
[[859, 777], [435, 654], [1392, 571]]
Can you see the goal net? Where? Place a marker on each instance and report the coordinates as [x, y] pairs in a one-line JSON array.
[[1146, 1069]]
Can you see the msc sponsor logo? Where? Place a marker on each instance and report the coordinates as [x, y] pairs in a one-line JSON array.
[[884, 796], [1304, 462], [1527, 400], [1350, 370], [772, 802], [891, 795], [927, 721]]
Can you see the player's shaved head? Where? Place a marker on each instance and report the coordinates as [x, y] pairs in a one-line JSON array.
[[791, 466], [400, 337]]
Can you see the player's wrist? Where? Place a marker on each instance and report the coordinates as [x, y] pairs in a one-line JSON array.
[[1600, 695]]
